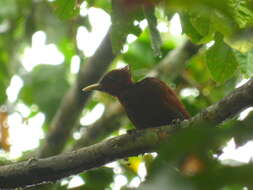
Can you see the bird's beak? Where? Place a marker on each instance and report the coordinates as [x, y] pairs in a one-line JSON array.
[[92, 87]]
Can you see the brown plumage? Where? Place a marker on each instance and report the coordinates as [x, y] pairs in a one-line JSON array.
[[148, 103]]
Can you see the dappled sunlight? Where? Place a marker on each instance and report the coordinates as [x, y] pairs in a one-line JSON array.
[[75, 64], [210, 44], [241, 82], [93, 115], [142, 171], [41, 53], [143, 24], [245, 113], [175, 25], [75, 181], [14, 88], [24, 135], [120, 64], [89, 41], [131, 38], [163, 27], [119, 181], [135, 182], [242, 154], [186, 92]]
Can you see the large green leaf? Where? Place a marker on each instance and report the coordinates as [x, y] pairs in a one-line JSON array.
[[198, 27], [222, 23], [45, 86], [66, 9], [134, 56], [201, 25], [221, 60], [189, 29]]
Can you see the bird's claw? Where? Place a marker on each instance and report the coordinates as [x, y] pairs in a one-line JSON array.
[[176, 122], [131, 131]]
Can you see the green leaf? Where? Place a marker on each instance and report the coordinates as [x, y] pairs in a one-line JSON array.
[[123, 23], [199, 4], [242, 41], [155, 35], [221, 60], [197, 26], [66, 9], [202, 24], [103, 174], [103, 4], [4, 76], [67, 47], [45, 86], [189, 29], [245, 61], [222, 23], [242, 12], [134, 56]]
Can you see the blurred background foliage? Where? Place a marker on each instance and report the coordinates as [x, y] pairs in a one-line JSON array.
[[44, 43]]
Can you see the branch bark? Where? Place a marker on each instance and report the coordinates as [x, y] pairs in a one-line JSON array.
[[74, 100], [174, 62], [36, 171]]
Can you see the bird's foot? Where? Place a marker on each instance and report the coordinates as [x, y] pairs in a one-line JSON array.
[[176, 122], [131, 131]]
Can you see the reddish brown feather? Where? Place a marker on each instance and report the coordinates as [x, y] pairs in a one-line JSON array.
[[151, 103], [172, 97], [148, 103]]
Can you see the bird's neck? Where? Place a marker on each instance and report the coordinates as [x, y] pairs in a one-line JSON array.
[[120, 93]]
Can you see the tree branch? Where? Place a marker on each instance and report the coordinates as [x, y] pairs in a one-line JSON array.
[[37, 171], [235, 102], [74, 100]]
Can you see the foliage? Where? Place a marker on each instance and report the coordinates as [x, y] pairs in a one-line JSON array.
[[218, 58], [41, 88], [223, 30]]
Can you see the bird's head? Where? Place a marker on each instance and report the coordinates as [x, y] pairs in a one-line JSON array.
[[113, 82]]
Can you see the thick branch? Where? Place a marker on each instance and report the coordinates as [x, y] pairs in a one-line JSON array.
[[49, 169], [229, 106], [74, 101], [174, 63]]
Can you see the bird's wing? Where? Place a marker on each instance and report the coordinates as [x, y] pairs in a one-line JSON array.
[[167, 94]]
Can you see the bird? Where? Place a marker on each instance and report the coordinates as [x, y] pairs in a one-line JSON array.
[[148, 103]]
